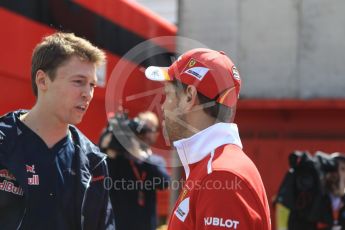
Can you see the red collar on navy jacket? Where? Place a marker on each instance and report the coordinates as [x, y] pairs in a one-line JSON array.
[[195, 148]]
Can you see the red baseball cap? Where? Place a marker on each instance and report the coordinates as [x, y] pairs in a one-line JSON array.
[[212, 73]]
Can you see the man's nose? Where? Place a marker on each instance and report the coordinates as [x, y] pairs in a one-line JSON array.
[[88, 93]]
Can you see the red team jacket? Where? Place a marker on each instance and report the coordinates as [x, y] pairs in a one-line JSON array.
[[223, 189]]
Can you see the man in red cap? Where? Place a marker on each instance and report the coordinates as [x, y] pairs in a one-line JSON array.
[[223, 188]]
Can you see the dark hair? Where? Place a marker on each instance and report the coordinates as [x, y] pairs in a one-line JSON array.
[[218, 111], [56, 48]]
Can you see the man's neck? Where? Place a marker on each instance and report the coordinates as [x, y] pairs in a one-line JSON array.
[[45, 125], [199, 121]]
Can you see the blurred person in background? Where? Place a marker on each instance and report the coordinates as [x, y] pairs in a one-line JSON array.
[[51, 175], [332, 209], [312, 194], [136, 173]]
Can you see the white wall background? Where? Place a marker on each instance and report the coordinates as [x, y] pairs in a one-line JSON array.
[[165, 8], [283, 48]]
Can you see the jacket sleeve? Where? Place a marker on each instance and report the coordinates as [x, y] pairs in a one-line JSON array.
[[98, 213], [224, 200], [3, 144], [158, 173]]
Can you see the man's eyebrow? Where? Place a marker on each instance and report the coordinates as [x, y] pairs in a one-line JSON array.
[[80, 76]]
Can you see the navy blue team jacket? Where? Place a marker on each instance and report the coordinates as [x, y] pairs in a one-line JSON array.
[[94, 210]]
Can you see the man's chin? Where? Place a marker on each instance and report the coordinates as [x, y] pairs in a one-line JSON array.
[[76, 121]]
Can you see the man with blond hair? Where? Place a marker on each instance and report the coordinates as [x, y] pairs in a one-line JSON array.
[[51, 174]]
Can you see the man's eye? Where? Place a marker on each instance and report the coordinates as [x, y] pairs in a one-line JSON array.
[[78, 81]]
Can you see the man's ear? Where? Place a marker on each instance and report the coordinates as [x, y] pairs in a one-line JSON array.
[[191, 97], [41, 80]]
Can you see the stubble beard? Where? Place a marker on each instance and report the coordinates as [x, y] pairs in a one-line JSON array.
[[175, 129]]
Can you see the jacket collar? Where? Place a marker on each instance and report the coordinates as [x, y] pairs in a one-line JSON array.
[[91, 156], [195, 148]]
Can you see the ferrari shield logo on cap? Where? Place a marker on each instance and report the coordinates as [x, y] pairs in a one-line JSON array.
[[191, 63]]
